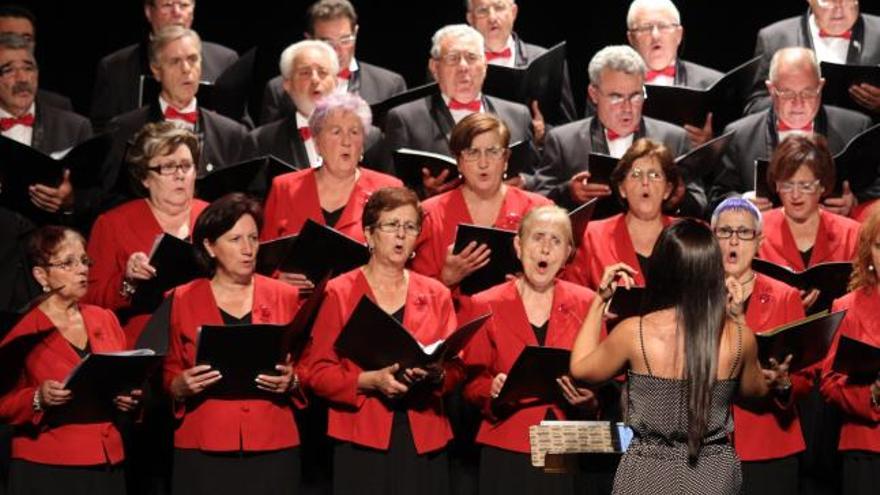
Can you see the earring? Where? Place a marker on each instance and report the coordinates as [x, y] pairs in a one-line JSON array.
[[46, 288], [504, 177], [412, 255], [870, 268], [370, 248]]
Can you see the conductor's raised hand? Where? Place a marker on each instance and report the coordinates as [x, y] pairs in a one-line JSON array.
[[614, 276], [194, 381]]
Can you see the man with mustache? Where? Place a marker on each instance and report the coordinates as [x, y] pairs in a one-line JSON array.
[[27, 120], [795, 88], [837, 32], [617, 78], [118, 75], [176, 62], [335, 22]]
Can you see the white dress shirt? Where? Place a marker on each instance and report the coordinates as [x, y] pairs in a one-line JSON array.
[[828, 49], [314, 158], [24, 134], [192, 107]]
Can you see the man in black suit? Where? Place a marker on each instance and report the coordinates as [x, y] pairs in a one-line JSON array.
[[458, 64], [118, 77], [175, 61], [16, 19], [617, 75], [335, 22], [494, 20], [837, 32], [795, 88], [27, 120], [308, 72], [654, 30]]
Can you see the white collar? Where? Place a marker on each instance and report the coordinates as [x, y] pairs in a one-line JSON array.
[[31, 110], [192, 107]]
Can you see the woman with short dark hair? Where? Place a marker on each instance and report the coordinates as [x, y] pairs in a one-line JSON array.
[[48, 456], [645, 178], [231, 445], [162, 169], [390, 424]]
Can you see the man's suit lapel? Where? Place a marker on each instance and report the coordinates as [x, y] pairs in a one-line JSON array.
[[293, 142], [597, 137], [857, 43], [441, 115]]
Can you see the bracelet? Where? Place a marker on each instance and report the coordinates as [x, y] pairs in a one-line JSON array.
[[37, 403], [127, 289]]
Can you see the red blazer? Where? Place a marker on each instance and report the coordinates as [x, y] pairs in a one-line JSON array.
[[126, 229], [605, 242], [444, 212], [364, 418], [768, 429], [227, 425], [861, 421], [494, 349], [836, 240], [293, 198], [54, 359]]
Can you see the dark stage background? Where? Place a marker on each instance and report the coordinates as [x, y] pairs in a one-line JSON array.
[[74, 35]]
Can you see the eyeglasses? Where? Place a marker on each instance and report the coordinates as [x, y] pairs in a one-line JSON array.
[[485, 10], [170, 4], [342, 42], [741, 233], [307, 72], [493, 154], [9, 69], [617, 99], [788, 95], [805, 187], [394, 226], [71, 263], [827, 4], [454, 58], [169, 169], [661, 27], [636, 174]]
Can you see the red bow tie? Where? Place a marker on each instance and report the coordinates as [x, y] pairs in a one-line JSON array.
[[490, 55], [654, 74], [613, 136], [344, 74], [10, 122], [473, 106], [783, 127], [305, 133], [171, 113], [845, 35]]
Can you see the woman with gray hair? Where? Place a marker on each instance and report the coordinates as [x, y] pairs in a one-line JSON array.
[[162, 171], [333, 194]]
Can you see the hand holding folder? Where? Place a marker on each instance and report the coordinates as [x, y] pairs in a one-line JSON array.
[[533, 377], [830, 278], [807, 340], [502, 261]]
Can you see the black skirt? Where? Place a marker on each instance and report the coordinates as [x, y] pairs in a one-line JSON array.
[[400, 470], [198, 472], [861, 472], [503, 472], [30, 478], [771, 477]]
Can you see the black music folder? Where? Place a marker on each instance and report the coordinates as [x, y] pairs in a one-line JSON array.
[[299, 330], [408, 164], [533, 376], [831, 278], [253, 176], [762, 188], [725, 99], [600, 167], [22, 166], [175, 263], [380, 110], [98, 379], [860, 361], [502, 260], [13, 355], [704, 160], [273, 252], [540, 81], [807, 340], [373, 339], [227, 95], [626, 303], [317, 251], [840, 77], [580, 217]]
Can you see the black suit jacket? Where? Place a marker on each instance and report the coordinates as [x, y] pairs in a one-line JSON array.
[[371, 82], [756, 137], [567, 149], [54, 99], [864, 49], [425, 125], [525, 53], [17, 286], [282, 139], [117, 79], [223, 141]]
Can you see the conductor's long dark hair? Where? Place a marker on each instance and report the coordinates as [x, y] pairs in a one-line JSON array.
[[685, 272]]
